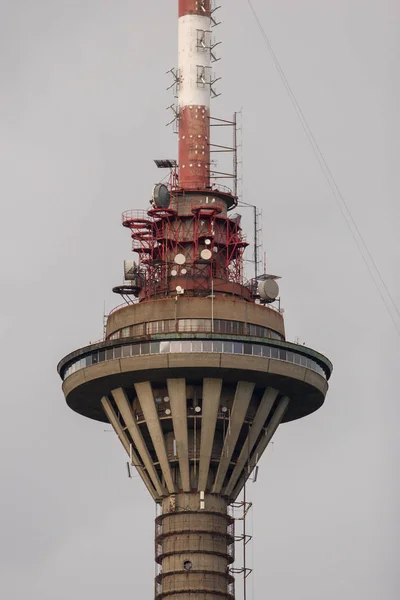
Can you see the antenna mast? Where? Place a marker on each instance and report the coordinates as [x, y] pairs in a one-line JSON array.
[[195, 88]]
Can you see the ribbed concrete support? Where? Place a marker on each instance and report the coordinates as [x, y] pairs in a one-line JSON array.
[[262, 415], [146, 399], [194, 547], [212, 449], [177, 395], [265, 440], [244, 392], [112, 417], [211, 401], [125, 409]]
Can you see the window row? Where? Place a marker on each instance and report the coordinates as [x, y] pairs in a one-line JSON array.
[[193, 325], [146, 348]]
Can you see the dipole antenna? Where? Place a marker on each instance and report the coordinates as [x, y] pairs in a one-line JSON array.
[[257, 213], [235, 156]]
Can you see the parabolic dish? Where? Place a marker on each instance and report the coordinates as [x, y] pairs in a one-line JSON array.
[[161, 195], [268, 290], [206, 254], [180, 259], [130, 270]]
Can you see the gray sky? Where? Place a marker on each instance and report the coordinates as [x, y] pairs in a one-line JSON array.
[[82, 116]]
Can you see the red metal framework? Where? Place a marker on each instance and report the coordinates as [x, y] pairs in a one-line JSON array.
[[192, 245], [195, 219]]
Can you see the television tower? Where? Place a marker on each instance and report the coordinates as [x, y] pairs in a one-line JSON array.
[[194, 373]]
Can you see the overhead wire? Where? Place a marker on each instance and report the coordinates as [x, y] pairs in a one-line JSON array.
[[359, 240]]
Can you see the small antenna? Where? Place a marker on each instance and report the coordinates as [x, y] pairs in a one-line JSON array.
[[255, 474], [104, 321], [129, 470]]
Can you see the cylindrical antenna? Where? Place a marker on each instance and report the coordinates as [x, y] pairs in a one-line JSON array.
[[195, 82]]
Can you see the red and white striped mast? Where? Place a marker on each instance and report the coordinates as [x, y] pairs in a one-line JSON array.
[[194, 93]]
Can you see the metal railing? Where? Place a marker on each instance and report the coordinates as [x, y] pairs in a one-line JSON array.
[[212, 187], [265, 350], [136, 215]]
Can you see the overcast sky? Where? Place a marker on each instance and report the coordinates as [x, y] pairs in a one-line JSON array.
[[82, 116]]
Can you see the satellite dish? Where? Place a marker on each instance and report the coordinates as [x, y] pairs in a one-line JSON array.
[[215, 249], [206, 254], [197, 409], [166, 399], [174, 272], [180, 259], [179, 289], [161, 195], [268, 290], [207, 242], [183, 272], [167, 411], [130, 270]]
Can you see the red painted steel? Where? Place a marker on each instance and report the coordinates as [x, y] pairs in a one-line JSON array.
[[194, 148], [200, 222], [195, 7]]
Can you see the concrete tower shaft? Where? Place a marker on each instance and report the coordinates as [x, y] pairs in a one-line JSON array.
[[195, 547], [194, 372]]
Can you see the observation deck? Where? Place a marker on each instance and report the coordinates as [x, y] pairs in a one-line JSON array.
[[157, 380]]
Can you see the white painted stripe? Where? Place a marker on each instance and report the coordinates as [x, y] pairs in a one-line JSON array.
[[192, 60]]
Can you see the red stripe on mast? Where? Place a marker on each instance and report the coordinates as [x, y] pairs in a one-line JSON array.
[[194, 147], [194, 93], [195, 7]]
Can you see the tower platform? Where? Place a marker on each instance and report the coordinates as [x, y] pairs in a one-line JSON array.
[[196, 399]]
